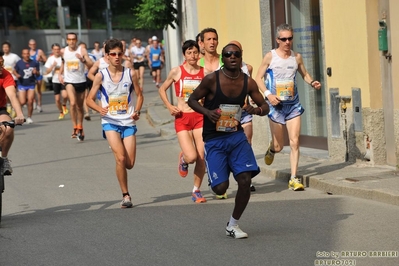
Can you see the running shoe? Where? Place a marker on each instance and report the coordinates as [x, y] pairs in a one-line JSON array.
[[269, 156], [74, 133], [61, 116], [9, 108], [39, 109], [224, 196], [65, 110], [253, 189], [80, 134], [87, 117], [183, 167], [13, 113], [235, 232], [7, 169], [295, 184], [197, 197], [126, 202], [29, 120]]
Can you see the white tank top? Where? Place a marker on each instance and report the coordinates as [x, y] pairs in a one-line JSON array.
[[102, 65], [244, 69], [280, 77], [74, 69], [139, 53], [119, 99]]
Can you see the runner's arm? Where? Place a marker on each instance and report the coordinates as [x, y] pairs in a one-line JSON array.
[[172, 77], [139, 95], [93, 70]]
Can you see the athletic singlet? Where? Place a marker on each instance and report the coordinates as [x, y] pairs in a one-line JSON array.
[[102, 65], [202, 62], [209, 129], [155, 56], [97, 54], [187, 83], [139, 53], [74, 69], [280, 78], [118, 98], [33, 57], [244, 68]]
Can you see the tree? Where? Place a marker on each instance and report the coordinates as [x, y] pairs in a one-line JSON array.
[[47, 18], [156, 14]]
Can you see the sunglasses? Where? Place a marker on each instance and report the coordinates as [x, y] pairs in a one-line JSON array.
[[115, 54], [285, 39], [71, 39], [236, 54]]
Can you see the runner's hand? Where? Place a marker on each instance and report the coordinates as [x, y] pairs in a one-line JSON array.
[[214, 115], [273, 99]]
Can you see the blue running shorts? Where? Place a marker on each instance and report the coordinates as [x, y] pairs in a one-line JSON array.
[[283, 112], [125, 131], [229, 153]]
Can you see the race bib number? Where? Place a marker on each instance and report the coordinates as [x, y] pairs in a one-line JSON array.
[[285, 89], [72, 65], [229, 118], [118, 104], [188, 88], [139, 57], [8, 68], [155, 57]]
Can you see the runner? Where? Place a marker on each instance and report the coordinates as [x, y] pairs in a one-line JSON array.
[[155, 60], [53, 65], [188, 123], [137, 53], [26, 71], [10, 60], [7, 90], [74, 79], [118, 112], [39, 56], [226, 146]]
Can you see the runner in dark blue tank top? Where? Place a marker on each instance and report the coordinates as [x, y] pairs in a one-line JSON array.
[[226, 147]]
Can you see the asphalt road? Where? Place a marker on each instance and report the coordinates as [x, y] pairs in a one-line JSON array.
[[61, 207]]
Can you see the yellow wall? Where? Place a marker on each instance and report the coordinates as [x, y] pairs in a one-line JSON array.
[[351, 48], [234, 20]]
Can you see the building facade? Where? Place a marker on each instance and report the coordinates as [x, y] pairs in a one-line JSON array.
[[349, 46]]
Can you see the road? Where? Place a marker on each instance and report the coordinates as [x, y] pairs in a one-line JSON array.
[[61, 207]]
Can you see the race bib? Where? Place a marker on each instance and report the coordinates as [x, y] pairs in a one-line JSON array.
[[72, 65], [285, 89], [188, 88], [229, 118], [155, 57], [118, 104]]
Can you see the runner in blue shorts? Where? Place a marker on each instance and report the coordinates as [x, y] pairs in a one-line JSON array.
[[226, 147], [278, 69]]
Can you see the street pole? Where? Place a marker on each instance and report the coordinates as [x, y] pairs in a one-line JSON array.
[[61, 21], [79, 29], [109, 20]]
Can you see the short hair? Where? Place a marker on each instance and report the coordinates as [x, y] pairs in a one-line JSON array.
[[7, 43], [198, 37], [283, 27], [112, 44], [231, 44], [83, 43], [72, 33], [97, 42], [1, 53], [206, 30], [55, 45], [189, 44]]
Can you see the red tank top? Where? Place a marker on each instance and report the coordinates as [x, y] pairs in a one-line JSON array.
[[187, 83]]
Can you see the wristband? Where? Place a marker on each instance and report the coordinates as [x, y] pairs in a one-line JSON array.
[[261, 110], [137, 112], [267, 93]]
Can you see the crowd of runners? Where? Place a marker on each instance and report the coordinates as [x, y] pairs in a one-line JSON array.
[[216, 99]]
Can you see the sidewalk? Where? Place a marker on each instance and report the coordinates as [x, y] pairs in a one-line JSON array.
[[360, 179]]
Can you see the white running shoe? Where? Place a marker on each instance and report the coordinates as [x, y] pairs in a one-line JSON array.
[[7, 169], [39, 109], [29, 120], [235, 232]]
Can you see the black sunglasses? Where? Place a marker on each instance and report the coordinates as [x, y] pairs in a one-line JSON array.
[[228, 54], [285, 39]]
